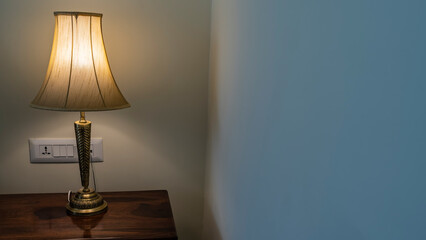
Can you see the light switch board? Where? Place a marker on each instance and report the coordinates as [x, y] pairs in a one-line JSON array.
[[61, 150]]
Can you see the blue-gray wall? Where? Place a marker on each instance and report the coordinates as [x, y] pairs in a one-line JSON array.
[[317, 120]]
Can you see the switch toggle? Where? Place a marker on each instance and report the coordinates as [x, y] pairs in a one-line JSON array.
[[63, 151], [70, 151], [56, 151]]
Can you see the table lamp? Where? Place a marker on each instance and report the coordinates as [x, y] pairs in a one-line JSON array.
[[79, 79]]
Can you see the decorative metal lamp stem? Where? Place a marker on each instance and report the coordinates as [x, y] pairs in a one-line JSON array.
[[82, 134], [86, 201]]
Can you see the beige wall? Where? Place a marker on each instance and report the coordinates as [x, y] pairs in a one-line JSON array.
[[158, 52]]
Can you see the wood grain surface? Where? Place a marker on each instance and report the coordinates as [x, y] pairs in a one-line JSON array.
[[130, 215]]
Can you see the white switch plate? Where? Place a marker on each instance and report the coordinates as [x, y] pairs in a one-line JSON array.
[[61, 150]]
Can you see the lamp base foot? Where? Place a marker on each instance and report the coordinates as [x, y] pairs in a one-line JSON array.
[[86, 202]]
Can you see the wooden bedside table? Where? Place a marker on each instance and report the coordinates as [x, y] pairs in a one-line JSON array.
[[131, 215]]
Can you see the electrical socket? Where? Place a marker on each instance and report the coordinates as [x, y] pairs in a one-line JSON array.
[[61, 150]]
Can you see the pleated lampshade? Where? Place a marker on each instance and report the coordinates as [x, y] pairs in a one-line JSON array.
[[79, 77]]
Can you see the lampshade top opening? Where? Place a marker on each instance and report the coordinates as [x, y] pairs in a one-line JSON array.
[[77, 13]]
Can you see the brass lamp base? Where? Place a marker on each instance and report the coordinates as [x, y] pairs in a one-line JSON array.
[[86, 202]]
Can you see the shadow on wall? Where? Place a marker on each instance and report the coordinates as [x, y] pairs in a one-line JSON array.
[[212, 232]]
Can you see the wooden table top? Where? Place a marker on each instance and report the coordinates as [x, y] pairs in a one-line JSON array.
[[130, 215]]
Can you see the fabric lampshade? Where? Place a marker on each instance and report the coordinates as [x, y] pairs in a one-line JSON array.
[[79, 77]]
